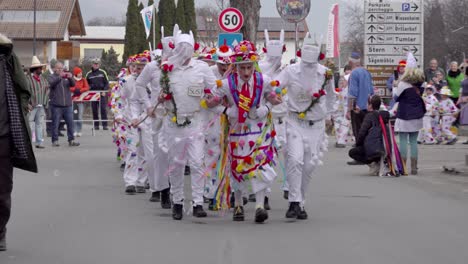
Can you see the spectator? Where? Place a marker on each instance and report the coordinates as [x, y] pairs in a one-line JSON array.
[[347, 70], [98, 81], [438, 82], [454, 80], [39, 100], [370, 148], [463, 101], [81, 86], [360, 88], [15, 141], [61, 103], [431, 71], [411, 110], [394, 79]]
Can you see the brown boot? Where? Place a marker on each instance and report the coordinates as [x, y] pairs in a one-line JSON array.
[[414, 166], [404, 159]]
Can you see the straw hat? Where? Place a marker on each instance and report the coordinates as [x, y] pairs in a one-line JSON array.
[[446, 91], [36, 63]]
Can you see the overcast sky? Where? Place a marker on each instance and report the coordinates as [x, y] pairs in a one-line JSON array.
[[317, 19]]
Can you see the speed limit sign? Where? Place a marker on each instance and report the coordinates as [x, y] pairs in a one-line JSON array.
[[231, 20]]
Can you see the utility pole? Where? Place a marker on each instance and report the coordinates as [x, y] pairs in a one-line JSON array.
[[34, 29]]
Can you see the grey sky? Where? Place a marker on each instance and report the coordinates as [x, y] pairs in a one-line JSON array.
[[317, 19]]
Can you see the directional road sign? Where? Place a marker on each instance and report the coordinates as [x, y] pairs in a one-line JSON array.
[[232, 39]]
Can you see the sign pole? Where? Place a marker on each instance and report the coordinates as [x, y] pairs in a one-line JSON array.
[[154, 27], [34, 29], [296, 42]]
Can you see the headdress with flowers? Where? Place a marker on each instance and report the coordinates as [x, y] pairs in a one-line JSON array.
[[244, 52]]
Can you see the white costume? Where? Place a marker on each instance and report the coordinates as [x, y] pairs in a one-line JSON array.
[[447, 111], [305, 127], [430, 133], [344, 133], [182, 128]]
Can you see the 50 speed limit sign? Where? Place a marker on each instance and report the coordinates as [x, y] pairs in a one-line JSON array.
[[231, 20]]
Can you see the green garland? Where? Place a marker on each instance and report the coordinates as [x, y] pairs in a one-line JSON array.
[[316, 96]]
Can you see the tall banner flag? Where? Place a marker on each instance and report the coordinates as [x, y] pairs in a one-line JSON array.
[[333, 34], [147, 15]]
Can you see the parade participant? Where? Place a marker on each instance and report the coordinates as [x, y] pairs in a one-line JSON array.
[[182, 83], [271, 66], [429, 132], [343, 130], [448, 113], [39, 99], [251, 135], [312, 97], [133, 175], [151, 76]]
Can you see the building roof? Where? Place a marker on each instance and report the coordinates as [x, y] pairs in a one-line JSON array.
[[270, 23], [102, 34], [53, 19]]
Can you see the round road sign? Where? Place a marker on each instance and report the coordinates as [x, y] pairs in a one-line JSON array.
[[231, 20]]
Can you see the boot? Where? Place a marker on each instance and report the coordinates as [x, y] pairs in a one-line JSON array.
[[140, 189], [238, 214], [293, 210], [261, 215], [404, 159], [3, 246], [155, 197], [177, 212], [414, 166], [198, 211], [252, 198], [266, 204], [131, 189], [302, 215], [165, 199]]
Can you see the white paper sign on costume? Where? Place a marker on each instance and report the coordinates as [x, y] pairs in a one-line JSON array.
[[147, 15], [333, 41]]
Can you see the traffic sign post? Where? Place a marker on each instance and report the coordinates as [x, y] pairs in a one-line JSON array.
[[231, 39], [231, 20], [392, 29]]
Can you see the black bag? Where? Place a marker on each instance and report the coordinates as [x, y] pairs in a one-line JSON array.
[[373, 143]]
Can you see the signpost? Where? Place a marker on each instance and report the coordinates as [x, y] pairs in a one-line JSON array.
[[392, 29], [232, 39], [231, 20]]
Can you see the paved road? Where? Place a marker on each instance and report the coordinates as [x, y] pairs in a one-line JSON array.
[[75, 212]]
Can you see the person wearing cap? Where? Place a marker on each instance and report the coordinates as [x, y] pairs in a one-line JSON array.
[[98, 81], [431, 71], [251, 136], [39, 99], [448, 112], [393, 80], [182, 84], [81, 86], [61, 103], [430, 133], [151, 77], [15, 141], [360, 88], [311, 98]]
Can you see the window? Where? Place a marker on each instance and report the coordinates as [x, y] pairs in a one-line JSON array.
[[27, 16], [92, 53]]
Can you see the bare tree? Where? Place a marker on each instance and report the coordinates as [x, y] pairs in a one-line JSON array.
[[106, 21], [209, 15], [251, 14], [222, 4], [354, 25], [456, 25]]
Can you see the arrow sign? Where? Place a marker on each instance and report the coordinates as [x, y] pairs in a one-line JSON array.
[[414, 49], [371, 28], [415, 7], [372, 17], [371, 39]]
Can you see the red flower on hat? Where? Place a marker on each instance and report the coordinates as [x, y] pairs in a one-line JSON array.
[[171, 45], [160, 46], [224, 48], [197, 46], [299, 53]]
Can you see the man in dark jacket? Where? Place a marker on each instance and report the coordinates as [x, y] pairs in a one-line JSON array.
[[15, 140], [369, 142], [98, 81], [61, 103]]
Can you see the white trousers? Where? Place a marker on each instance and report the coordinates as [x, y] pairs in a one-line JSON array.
[[304, 150], [134, 162], [159, 179], [446, 124], [185, 145], [281, 141]]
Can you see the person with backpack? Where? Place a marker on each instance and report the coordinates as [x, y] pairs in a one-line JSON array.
[[370, 148]]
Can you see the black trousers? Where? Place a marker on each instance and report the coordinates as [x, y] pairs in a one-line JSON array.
[[359, 154], [103, 109], [356, 121], [6, 183]]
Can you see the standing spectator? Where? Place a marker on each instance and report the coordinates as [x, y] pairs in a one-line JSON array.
[[431, 71], [61, 103], [39, 100], [15, 141], [394, 79], [46, 74], [81, 86], [360, 88], [411, 110], [463, 99], [98, 81], [454, 80]]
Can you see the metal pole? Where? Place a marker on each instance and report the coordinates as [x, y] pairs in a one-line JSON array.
[[296, 42], [154, 27], [34, 30]]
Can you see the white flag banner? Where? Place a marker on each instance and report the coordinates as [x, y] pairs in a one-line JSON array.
[[147, 15], [333, 34]]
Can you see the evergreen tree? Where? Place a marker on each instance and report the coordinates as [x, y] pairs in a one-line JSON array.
[[131, 27], [180, 16], [142, 42], [167, 10], [110, 63], [190, 16]]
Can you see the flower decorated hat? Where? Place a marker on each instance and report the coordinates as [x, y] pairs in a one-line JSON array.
[[446, 91], [223, 54], [244, 52]]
